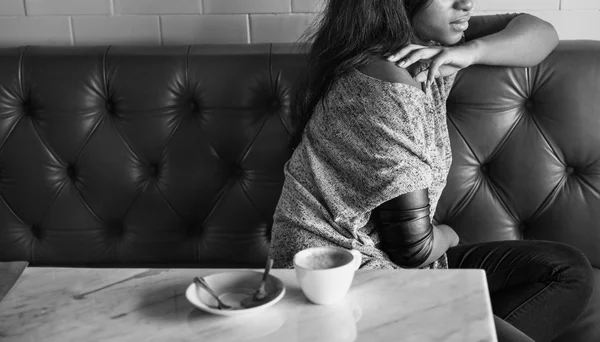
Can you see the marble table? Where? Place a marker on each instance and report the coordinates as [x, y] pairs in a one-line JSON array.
[[68, 304], [9, 274]]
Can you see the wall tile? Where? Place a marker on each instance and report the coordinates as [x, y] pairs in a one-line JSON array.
[[119, 30], [580, 4], [517, 5], [303, 6], [66, 7], [15, 31], [273, 28], [587, 27], [209, 29], [12, 7], [158, 6], [229, 21], [587, 23], [247, 6]]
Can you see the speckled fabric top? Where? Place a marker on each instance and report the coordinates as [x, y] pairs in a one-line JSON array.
[[372, 141]]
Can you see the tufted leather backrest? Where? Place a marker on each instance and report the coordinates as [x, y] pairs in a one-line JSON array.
[[120, 155], [173, 155], [526, 151]]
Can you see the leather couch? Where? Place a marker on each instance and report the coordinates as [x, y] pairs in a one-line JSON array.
[[173, 156]]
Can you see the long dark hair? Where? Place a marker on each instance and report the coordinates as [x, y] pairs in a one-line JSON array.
[[350, 34]]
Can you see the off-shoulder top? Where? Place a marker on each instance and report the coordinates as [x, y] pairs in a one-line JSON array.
[[367, 142]]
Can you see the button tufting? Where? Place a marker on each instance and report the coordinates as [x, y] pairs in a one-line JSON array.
[[36, 231], [569, 170], [237, 171], [118, 230], [154, 170], [71, 171], [110, 107], [194, 106], [529, 105], [484, 168], [27, 108]]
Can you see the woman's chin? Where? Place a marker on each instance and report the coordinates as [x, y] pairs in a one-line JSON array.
[[451, 39]]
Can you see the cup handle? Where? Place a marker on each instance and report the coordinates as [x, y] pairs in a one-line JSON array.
[[357, 261]]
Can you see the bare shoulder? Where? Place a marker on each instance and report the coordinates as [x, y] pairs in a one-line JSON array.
[[388, 72]]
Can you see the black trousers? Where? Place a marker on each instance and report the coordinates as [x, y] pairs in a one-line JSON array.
[[537, 288]]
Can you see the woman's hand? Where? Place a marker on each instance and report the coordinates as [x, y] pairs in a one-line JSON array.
[[449, 233], [439, 60]]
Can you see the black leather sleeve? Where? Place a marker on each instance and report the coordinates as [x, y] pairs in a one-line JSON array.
[[405, 229]]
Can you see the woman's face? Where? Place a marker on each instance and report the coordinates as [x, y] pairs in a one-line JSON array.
[[444, 21]]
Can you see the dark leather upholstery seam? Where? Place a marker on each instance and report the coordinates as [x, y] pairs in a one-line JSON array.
[[187, 84], [244, 157], [55, 157], [11, 211], [162, 156], [590, 186], [21, 57], [20, 221], [20, 80], [469, 196], [162, 194], [93, 130], [537, 125], [245, 154], [494, 187], [187, 66], [552, 195], [463, 202], [288, 129], [271, 69], [127, 145], [221, 195], [104, 76], [463, 138], [546, 202], [54, 199], [22, 87], [87, 206], [505, 139], [260, 214]]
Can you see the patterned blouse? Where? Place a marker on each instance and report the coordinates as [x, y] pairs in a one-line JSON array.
[[369, 141]]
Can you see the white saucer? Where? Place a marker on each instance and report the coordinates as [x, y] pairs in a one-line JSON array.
[[233, 287]]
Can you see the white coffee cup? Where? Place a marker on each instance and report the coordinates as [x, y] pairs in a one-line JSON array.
[[326, 273]]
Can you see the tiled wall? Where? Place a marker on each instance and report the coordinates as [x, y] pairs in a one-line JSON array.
[[85, 22]]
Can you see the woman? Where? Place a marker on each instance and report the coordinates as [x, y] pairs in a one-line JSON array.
[[373, 154]]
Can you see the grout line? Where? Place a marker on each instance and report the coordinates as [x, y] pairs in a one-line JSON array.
[[71, 30], [111, 4], [160, 31], [249, 36], [25, 6]]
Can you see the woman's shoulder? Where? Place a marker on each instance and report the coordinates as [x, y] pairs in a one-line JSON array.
[[388, 72], [378, 93]]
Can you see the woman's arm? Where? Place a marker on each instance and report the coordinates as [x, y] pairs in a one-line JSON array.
[[524, 42], [406, 233], [485, 25], [509, 40]]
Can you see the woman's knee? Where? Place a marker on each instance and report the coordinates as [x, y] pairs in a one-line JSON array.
[[573, 268]]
